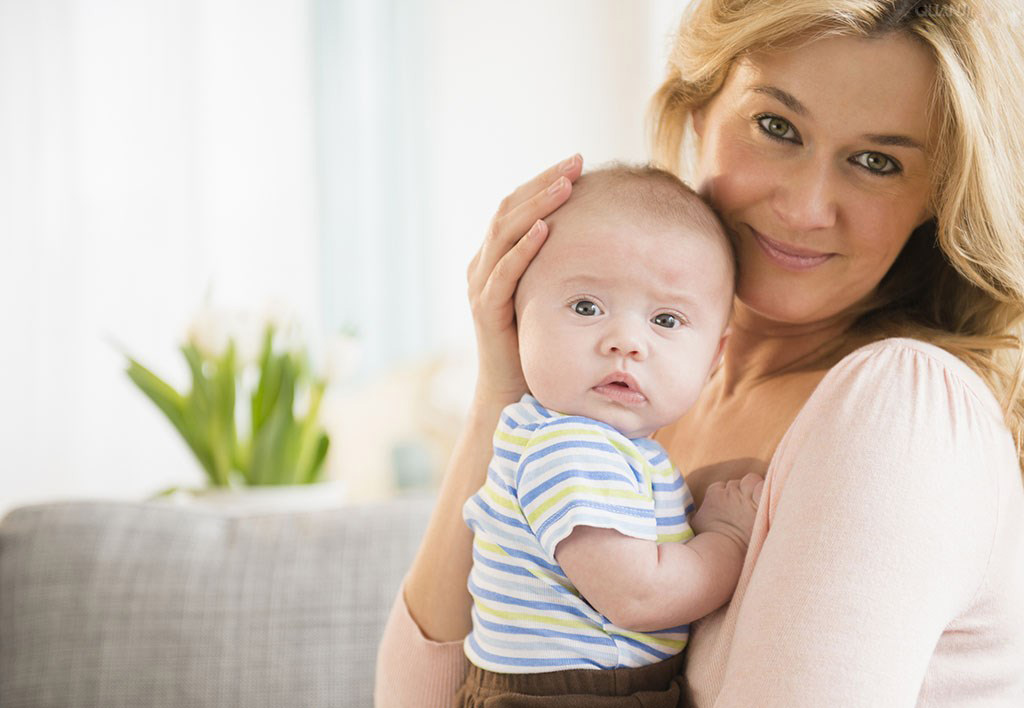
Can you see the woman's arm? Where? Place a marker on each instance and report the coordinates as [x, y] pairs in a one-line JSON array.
[[435, 590], [880, 518], [418, 661]]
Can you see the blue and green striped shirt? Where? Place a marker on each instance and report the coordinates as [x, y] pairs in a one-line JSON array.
[[550, 473]]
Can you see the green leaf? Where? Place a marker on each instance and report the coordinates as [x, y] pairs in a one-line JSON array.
[[271, 441], [166, 398], [270, 380], [313, 472], [243, 459], [308, 436], [199, 418], [175, 406], [221, 423], [165, 493]]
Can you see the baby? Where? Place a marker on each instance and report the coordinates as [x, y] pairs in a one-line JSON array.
[[584, 556]]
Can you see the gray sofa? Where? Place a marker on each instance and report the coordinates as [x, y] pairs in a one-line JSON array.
[[138, 605]]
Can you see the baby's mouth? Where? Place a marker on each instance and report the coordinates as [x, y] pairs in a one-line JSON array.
[[621, 388]]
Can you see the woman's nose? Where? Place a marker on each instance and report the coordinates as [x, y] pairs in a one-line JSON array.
[[805, 199], [624, 338]]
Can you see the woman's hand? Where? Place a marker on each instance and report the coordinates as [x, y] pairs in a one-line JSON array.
[[435, 589], [514, 237]]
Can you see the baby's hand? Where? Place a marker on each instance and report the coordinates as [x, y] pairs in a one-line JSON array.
[[729, 508]]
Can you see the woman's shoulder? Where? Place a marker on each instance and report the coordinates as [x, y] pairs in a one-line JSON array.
[[919, 371], [905, 404], [901, 427]]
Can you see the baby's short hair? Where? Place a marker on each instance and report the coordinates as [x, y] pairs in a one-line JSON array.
[[649, 193]]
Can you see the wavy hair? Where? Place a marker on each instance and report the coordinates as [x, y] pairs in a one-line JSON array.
[[959, 281]]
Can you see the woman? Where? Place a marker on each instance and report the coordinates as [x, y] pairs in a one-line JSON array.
[[868, 158]]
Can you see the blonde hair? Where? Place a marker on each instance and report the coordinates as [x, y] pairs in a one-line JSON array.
[[959, 281]]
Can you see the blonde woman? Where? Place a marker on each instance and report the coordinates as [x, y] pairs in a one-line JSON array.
[[869, 159]]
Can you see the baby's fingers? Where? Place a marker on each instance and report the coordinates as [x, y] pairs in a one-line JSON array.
[[751, 486]]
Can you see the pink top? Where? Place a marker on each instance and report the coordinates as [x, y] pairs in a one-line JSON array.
[[886, 565]]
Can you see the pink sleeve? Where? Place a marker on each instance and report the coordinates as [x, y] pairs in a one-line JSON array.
[[880, 503], [413, 671]]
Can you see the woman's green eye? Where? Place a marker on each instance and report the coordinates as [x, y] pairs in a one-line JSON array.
[[777, 127], [877, 162], [586, 308], [666, 320]]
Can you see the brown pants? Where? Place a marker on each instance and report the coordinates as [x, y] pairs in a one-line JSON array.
[[656, 686]]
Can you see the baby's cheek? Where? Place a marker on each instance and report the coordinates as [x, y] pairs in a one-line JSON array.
[[541, 373]]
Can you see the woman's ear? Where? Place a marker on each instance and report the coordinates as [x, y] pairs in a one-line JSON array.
[[697, 116]]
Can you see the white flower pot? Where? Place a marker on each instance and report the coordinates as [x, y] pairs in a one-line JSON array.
[[263, 499]]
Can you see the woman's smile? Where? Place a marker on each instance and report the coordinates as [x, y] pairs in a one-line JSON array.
[[787, 256]]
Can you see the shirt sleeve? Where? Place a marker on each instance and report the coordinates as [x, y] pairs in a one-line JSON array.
[[413, 671], [880, 509], [572, 473]]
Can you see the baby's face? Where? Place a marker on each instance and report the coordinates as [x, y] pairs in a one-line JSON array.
[[620, 320]]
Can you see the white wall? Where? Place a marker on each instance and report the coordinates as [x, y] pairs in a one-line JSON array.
[[517, 87], [151, 147]]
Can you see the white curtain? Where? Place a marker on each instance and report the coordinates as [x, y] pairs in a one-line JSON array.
[[149, 150], [372, 144], [339, 156]]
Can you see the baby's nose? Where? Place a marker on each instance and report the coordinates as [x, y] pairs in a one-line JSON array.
[[624, 339]]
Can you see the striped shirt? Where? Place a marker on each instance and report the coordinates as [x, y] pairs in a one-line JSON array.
[[550, 473]]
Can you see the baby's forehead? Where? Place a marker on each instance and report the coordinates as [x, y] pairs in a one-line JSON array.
[[644, 197], [599, 223]]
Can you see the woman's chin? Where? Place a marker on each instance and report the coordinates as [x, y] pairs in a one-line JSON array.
[[785, 308]]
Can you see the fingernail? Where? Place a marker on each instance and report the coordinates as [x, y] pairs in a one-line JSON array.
[[534, 230], [567, 164], [557, 185]]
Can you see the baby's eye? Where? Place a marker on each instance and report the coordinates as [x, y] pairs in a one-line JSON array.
[[667, 320], [586, 308]]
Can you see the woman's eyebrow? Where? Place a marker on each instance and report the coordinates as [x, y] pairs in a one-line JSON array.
[[895, 140], [784, 97]]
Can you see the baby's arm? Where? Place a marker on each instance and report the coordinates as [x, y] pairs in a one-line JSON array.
[[645, 586]]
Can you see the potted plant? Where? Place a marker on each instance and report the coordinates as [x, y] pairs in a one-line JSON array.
[[253, 426]]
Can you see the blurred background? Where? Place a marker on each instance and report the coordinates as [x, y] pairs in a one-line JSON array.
[[168, 166]]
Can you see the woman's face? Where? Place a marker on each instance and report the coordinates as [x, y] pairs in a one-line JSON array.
[[817, 160]]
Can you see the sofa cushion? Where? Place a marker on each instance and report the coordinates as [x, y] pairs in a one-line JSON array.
[[107, 604]]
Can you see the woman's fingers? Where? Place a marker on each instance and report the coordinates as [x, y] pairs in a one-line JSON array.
[[569, 168], [513, 238], [518, 212], [504, 277], [508, 229]]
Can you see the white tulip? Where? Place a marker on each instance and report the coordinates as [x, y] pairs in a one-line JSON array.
[[342, 357], [210, 331], [284, 318]]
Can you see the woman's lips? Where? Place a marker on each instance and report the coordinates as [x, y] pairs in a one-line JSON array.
[[787, 256]]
